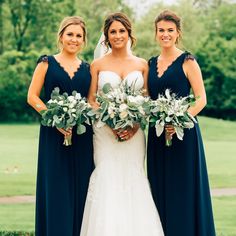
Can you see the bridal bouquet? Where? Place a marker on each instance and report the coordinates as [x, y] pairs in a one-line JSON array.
[[122, 107], [64, 111], [168, 109]]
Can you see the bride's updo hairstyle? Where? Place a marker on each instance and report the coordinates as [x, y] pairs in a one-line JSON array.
[[67, 21], [169, 16], [124, 20]]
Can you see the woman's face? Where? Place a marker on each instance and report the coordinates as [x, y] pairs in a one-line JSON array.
[[72, 39], [167, 33], [118, 35]]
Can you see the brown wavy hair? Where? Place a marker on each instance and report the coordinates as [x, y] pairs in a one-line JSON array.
[[124, 20], [169, 16]]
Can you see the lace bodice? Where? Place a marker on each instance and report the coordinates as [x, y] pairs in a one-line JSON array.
[[133, 77]]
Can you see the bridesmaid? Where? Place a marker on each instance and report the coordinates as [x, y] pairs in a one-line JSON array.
[[178, 174], [63, 171]]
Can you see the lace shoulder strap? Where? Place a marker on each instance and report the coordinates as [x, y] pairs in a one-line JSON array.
[[150, 61], [189, 56], [43, 58]]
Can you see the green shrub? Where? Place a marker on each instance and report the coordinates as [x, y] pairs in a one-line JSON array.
[[16, 69]]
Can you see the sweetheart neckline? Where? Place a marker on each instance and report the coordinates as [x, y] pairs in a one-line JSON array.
[[102, 71]]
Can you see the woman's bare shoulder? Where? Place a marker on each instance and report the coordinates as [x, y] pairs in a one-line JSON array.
[[97, 63], [140, 60]]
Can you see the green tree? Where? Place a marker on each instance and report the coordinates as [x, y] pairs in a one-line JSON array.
[[1, 26], [192, 28], [15, 75], [217, 59]]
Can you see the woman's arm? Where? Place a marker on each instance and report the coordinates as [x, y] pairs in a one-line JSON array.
[[145, 77], [35, 87], [34, 91], [94, 85], [194, 75]]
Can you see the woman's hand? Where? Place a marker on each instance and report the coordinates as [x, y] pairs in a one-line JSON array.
[[66, 133], [128, 133], [95, 105], [170, 130]]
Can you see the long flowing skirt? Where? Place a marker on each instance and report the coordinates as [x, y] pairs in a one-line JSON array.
[[119, 201]]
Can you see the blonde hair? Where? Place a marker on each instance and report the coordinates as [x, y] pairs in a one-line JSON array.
[[71, 20]]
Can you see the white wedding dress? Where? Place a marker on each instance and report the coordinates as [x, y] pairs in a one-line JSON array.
[[119, 201]]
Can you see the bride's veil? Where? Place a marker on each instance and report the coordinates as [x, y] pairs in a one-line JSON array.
[[101, 48]]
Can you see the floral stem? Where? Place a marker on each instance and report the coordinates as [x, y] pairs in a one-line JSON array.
[[168, 139], [67, 140]]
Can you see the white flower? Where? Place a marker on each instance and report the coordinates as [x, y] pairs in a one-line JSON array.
[[52, 101], [110, 110], [131, 99], [65, 109], [140, 99], [168, 119], [112, 115], [180, 113], [123, 115], [71, 98], [60, 103], [71, 105], [123, 107], [78, 96]]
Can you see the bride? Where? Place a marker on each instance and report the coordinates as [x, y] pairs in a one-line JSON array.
[[119, 201]]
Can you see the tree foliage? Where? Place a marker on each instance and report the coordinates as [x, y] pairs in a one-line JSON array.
[[209, 31], [28, 29], [217, 59]]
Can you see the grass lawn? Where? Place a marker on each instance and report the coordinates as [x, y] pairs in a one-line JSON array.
[[17, 217], [220, 146], [20, 217], [19, 143], [225, 215]]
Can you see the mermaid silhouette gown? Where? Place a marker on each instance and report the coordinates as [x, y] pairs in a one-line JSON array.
[[119, 201], [178, 174]]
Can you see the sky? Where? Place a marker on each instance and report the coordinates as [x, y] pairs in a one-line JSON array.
[[142, 6]]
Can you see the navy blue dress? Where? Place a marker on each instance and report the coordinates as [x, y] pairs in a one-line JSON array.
[[178, 174], [63, 171]]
